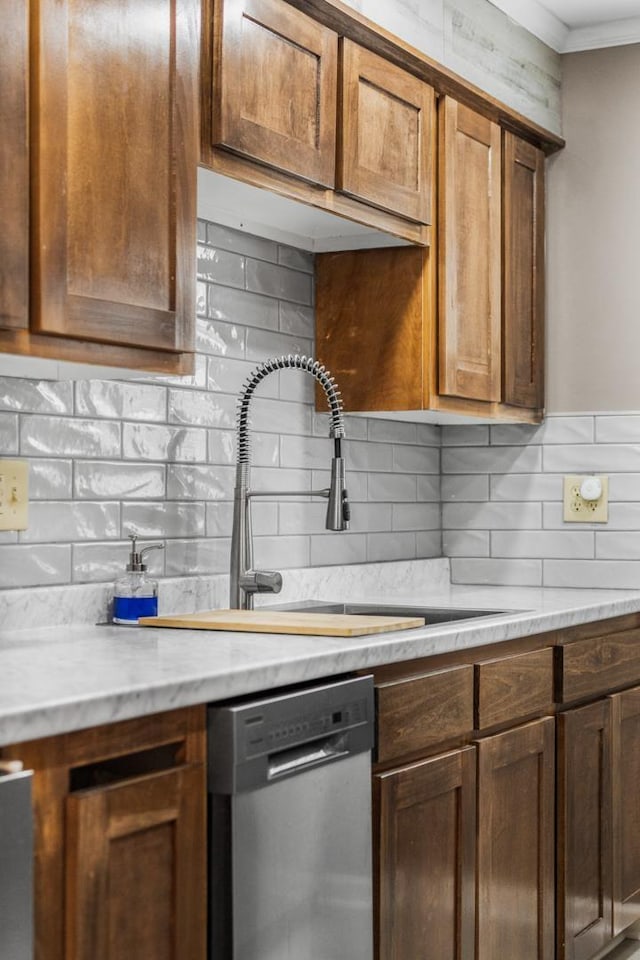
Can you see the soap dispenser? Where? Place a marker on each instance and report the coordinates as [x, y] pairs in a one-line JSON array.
[[135, 594]]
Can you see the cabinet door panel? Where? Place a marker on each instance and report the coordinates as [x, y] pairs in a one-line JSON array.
[[14, 166], [516, 863], [626, 813], [275, 84], [584, 831], [425, 817], [469, 320], [523, 273], [386, 124], [135, 869], [115, 162]]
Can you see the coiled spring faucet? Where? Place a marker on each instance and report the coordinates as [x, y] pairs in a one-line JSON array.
[[245, 581]]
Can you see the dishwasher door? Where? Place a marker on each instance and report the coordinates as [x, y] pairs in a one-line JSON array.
[[16, 864], [290, 840]]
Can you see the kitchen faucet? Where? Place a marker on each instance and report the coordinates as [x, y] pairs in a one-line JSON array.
[[245, 581]]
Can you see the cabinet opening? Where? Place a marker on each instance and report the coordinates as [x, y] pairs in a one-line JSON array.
[[114, 769]]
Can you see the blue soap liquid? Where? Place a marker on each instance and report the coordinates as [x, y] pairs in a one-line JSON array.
[[126, 610]]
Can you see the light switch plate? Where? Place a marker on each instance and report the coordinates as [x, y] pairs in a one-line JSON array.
[[579, 510], [14, 494]]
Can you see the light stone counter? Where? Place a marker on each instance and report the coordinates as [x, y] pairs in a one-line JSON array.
[[68, 677]]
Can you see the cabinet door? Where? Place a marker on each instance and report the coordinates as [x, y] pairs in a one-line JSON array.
[[14, 166], [274, 87], [115, 156], [135, 883], [424, 815], [516, 862], [469, 315], [626, 816], [523, 178], [584, 831], [386, 125]]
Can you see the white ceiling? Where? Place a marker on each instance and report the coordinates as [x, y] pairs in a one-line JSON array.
[[569, 25]]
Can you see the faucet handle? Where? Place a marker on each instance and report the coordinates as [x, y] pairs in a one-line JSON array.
[[261, 581]]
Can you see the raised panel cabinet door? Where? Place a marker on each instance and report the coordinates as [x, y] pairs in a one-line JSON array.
[[386, 134], [275, 74], [115, 154], [136, 869], [626, 811], [469, 271], [424, 829], [14, 165], [584, 831], [523, 271], [516, 844]]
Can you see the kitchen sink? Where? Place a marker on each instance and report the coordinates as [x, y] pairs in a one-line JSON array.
[[432, 615]]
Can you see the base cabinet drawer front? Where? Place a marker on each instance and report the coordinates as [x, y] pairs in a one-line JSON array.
[[510, 688], [590, 668], [626, 808], [275, 87], [422, 712], [516, 844], [424, 829], [584, 831]]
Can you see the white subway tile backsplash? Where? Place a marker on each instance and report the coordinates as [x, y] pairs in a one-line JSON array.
[[296, 320], [567, 544], [121, 401], [526, 486], [220, 266], [624, 486], [391, 487], [36, 396], [228, 375], [199, 408], [296, 259], [195, 482], [465, 488], [473, 435], [466, 543], [50, 479], [416, 516], [416, 459], [193, 557], [220, 339], [593, 574], [27, 565], [264, 518], [429, 488], [623, 429], [617, 545], [239, 309], [513, 573], [282, 552], [96, 562], [146, 441], [392, 431], [66, 437], [331, 548], [594, 458], [67, 520], [491, 459], [491, 516], [553, 430], [280, 282], [428, 543], [390, 546], [167, 519], [264, 344], [236, 241]]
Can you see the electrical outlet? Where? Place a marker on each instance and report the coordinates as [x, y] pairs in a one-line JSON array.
[[14, 494], [579, 510]]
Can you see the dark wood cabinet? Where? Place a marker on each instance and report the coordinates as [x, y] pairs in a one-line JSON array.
[[523, 273], [469, 253], [14, 166], [120, 840], [275, 75], [386, 138], [114, 146], [516, 852], [424, 839], [626, 811], [584, 831]]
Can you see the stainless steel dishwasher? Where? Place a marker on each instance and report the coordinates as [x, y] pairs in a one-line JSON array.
[[290, 825], [16, 863]]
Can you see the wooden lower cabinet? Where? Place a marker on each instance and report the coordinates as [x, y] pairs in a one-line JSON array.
[[120, 840], [584, 831], [626, 808], [516, 844], [424, 830]]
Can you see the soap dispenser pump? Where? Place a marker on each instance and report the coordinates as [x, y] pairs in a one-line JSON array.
[[135, 594]]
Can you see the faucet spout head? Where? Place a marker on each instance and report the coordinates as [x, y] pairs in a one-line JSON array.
[[338, 510]]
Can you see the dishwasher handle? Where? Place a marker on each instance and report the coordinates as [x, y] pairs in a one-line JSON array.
[[298, 759]]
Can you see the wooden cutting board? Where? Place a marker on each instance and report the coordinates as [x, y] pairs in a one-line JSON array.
[[284, 621]]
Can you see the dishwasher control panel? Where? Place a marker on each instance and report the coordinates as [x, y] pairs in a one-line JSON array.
[[243, 737]]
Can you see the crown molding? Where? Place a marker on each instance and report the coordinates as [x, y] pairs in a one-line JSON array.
[[616, 33], [554, 32]]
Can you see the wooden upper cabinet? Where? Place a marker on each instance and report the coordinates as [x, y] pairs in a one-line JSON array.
[[469, 316], [14, 166], [386, 134], [275, 74], [114, 168], [523, 271]]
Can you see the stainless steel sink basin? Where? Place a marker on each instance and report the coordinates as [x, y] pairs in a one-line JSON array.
[[432, 615]]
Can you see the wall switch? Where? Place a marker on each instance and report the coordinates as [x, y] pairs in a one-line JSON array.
[[579, 510], [14, 494]]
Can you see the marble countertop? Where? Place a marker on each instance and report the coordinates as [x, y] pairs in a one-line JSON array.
[[64, 678]]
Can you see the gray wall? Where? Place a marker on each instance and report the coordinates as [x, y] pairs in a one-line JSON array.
[[594, 237], [156, 458]]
